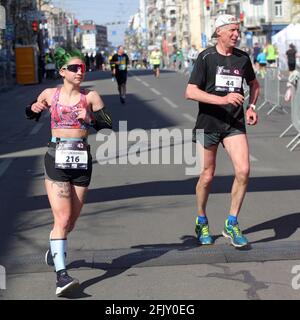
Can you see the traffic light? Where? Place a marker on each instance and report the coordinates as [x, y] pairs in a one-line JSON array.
[[242, 18], [35, 26], [207, 4]]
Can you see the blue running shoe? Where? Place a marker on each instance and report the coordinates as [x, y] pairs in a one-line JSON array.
[[234, 233], [202, 232], [65, 284]]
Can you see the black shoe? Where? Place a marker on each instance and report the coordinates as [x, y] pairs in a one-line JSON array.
[[48, 258], [65, 283], [122, 100]]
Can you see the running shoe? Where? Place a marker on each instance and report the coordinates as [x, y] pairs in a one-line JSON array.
[[65, 284], [234, 233], [202, 232], [122, 99]]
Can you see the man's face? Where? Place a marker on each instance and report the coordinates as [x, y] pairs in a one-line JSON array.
[[121, 51], [229, 35]]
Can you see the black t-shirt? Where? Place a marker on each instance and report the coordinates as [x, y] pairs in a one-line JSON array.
[[124, 61], [291, 56], [220, 75]]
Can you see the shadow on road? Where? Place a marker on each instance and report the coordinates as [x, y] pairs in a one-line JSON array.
[[283, 227], [125, 262]]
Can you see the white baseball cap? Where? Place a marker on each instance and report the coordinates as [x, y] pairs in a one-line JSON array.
[[223, 20]]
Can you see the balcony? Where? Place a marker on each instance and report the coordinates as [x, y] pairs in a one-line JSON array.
[[254, 22]]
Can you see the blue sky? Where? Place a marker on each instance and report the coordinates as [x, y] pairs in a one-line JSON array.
[[102, 12]]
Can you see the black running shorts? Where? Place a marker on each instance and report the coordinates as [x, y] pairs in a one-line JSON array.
[[121, 77], [209, 139], [80, 178]]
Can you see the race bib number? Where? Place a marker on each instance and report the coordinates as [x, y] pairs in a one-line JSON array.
[[71, 155], [228, 80], [122, 67]]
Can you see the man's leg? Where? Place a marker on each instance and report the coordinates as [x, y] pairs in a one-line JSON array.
[[238, 150], [123, 90], [202, 192], [206, 177]]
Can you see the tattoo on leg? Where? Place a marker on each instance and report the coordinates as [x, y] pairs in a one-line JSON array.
[[64, 189]]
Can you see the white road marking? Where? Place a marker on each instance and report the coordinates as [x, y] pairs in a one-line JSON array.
[[253, 159], [25, 153], [189, 117], [155, 91], [36, 128], [138, 79], [4, 164], [145, 84], [170, 103]]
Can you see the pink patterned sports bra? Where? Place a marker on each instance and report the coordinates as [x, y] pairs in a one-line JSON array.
[[64, 117]]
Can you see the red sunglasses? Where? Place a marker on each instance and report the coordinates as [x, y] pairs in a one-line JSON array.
[[75, 67]]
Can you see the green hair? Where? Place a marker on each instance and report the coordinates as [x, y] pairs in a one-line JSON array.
[[62, 56]]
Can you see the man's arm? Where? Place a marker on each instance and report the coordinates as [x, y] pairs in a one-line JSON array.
[[251, 115], [194, 93], [254, 92]]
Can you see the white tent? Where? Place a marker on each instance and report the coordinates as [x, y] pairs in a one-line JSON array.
[[282, 39]]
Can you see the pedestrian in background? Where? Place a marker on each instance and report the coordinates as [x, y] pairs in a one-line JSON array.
[[271, 53], [192, 57], [99, 61], [120, 62], [155, 60], [255, 53], [87, 62], [262, 63], [291, 57]]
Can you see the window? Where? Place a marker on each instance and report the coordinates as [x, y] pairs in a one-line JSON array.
[[278, 9]]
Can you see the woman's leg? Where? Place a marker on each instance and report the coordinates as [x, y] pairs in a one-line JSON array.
[[60, 196], [78, 198]]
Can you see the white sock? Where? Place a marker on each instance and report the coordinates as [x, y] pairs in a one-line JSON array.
[[58, 247]]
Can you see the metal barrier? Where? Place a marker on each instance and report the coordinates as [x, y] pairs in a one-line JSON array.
[[295, 116], [246, 91], [271, 89]]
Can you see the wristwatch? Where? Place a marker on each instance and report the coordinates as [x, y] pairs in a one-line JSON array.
[[253, 106]]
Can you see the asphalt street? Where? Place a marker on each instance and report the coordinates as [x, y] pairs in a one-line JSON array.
[[135, 238]]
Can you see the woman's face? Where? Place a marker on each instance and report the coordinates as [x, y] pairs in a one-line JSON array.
[[73, 71]]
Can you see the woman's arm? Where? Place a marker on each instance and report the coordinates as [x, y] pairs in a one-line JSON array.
[[35, 108], [100, 117]]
